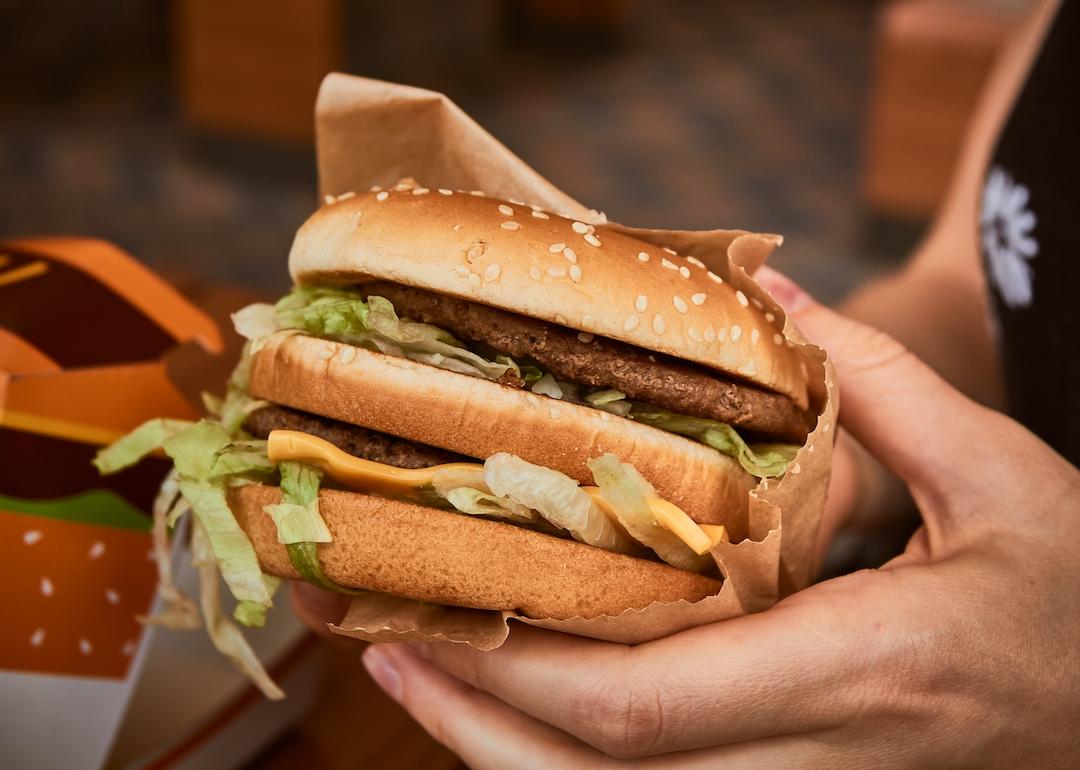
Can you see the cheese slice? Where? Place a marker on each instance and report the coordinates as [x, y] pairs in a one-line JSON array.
[[380, 478]]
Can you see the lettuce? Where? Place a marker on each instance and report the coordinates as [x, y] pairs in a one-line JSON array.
[[761, 460], [628, 492], [297, 516], [343, 315], [225, 636], [136, 445], [478, 503], [557, 498], [238, 404]]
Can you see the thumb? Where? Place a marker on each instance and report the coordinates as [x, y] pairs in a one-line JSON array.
[[896, 406]]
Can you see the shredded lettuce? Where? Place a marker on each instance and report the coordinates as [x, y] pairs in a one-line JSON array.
[[238, 404], [761, 460], [478, 503], [242, 460], [180, 611], [297, 516], [226, 637], [628, 492], [133, 447], [557, 498]]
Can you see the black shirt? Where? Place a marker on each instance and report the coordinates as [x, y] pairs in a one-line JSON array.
[[1030, 235]]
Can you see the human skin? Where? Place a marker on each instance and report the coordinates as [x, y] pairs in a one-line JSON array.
[[961, 651]]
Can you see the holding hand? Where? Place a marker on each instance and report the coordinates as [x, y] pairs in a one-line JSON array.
[[961, 651]]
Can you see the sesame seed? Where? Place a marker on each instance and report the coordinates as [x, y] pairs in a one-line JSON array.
[[461, 270], [534, 273], [477, 193], [575, 273], [347, 354], [560, 319], [402, 186], [456, 228], [721, 334], [586, 337], [510, 226], [540, 215], [97, 550], [37, 638], [684, 271], [641, 303], [757, 303], [680, 303], [46, 587], [327, 353], [329, 199], [32, 536], [658, 324], [346, 195], [710, 334], [475, 251], [631, 323], [556, 272], [652, 358], [778, 339], [669, 264], [696, 262], [736, 333], [770, 317], [698, 299], [382, 196], [580, 227], [420, 191], [129, 648], [749, 368], [825, 428], [755, 335], [555, 248], [715, 277], [444, 191], [669, 251], [112, 596], [795, 469], [592, 240], [693, 334], [592, 228], [492, 272], [85, 647], [516, 202], [641, 255], [504, 209], [375, 188], [570, 254], [475, 280], [742, 299]]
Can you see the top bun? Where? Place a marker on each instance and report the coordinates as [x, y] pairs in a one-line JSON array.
[[519, 258]]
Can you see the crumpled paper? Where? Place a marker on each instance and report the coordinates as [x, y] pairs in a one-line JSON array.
[[374, 133]]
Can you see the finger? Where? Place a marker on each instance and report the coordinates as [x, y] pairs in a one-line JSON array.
[[316, 607], [782, 671], [892, 403], [483, 731]]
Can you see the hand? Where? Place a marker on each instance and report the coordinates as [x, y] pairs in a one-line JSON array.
[[961, 651]]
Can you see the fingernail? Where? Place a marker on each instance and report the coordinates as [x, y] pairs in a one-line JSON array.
[[788, 294], [381, 668]]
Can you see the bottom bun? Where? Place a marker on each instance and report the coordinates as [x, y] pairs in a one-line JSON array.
[[452, 558]]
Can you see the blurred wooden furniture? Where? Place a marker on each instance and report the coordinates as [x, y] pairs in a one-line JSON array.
[[931, 59], [253, 67]]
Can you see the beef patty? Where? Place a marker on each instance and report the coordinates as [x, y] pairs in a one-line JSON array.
[[577, 357], [359, 442]]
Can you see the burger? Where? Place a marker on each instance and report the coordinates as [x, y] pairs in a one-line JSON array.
[[475, 402]]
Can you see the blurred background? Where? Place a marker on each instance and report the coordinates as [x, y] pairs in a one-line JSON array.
[[183, 132]]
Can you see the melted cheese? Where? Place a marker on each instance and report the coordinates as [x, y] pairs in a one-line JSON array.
[[384, 479]]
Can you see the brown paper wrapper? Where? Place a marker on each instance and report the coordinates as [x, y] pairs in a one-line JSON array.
[[373, 133]]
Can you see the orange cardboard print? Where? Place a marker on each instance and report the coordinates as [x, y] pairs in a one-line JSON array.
[[83, 328]]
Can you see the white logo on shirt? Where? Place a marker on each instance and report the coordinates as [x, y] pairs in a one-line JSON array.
[[1006, 223]]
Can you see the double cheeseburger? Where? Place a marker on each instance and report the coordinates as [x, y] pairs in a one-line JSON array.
[[512, 410]]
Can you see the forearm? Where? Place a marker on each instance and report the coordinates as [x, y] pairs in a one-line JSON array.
[[942, 319]]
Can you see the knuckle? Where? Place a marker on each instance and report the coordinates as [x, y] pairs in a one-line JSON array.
[[623, 717]]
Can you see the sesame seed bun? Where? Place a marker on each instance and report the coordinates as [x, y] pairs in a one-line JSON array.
[[479, 418], [432, 555], [595, 279]]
